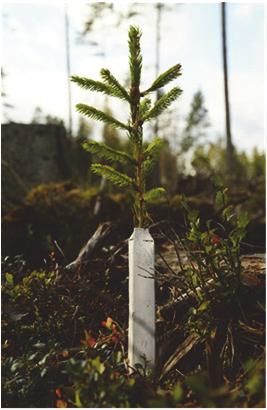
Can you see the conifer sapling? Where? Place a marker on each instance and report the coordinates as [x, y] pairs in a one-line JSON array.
[[141, 159]]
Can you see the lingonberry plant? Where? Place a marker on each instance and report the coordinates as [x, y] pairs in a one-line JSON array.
[[141, 159]]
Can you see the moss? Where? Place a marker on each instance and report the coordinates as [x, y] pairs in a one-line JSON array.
[[56, 211]]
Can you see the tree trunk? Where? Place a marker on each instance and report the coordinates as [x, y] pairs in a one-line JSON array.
[[67, 41], [229, 144], [159, 7]]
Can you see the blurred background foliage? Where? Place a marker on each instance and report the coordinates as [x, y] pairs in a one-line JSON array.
[[63, 210]]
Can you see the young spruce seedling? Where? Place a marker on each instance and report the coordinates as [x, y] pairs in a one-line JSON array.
[[141, 159]]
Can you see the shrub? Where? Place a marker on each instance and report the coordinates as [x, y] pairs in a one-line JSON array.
[[220, 313], [45, 314], [58, 350]]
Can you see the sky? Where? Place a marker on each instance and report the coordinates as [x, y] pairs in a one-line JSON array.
[[34, 60]]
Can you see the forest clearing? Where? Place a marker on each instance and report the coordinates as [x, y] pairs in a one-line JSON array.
[[133, 252]]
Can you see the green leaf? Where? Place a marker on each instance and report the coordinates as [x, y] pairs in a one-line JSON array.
[[155, 195], [169, 75], [98, 365], [112, 175], [114, 85], [104, 151], [243, 220], [193, 215], [204, 306], [77, 400], [228, 213], [163, 103], [95, 114], [177, 393], [237, 235], [9, 279], [219, 199]]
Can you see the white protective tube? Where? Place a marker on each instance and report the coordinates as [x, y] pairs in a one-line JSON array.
[[141, 341]]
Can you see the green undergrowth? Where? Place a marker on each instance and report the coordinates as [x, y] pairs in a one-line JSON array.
[[64, 335]]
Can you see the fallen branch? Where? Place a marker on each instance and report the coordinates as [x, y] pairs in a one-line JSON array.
[[179, 353], [94, 243]]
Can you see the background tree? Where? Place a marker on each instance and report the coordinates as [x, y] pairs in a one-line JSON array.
[[67, 44], [40, 118], [196, 123], [168, 170], [159, 7], [6, 105], [84, 129], [229, 143]]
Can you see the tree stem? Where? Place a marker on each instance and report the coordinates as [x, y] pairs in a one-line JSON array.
[[138, 145], [141, 193]]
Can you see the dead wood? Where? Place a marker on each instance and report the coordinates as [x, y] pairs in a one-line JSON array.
[[93, 244], [179, 353]]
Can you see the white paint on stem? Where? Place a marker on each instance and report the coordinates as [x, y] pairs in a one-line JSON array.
[[141, 342]]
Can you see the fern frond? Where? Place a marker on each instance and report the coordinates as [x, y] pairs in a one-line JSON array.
[[113, 83], [155, 195], [112, 175], [166, 77], [104, 151], [135, 57], [95, 114], [163, 103]]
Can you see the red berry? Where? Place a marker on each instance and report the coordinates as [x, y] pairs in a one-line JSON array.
[[91, 342], [58, 392], [215, 239]]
